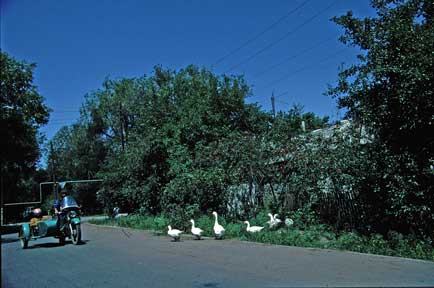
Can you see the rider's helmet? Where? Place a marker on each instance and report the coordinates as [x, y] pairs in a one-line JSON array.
[[63, 193], [37, 212]]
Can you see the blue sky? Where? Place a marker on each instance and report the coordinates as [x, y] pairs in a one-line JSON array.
[[77, 44]]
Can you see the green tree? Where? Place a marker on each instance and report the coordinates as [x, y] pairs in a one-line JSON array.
[[391, 92], [175, 142], [77, 153], [22, 112], [287, 125], [167, 123]]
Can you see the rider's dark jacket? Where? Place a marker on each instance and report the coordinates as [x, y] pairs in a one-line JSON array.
[[60, 217], [57, 204]]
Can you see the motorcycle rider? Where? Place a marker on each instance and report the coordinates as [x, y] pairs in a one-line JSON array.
[[56, 206]]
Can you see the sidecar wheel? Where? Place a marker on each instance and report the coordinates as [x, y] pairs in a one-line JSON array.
[[24, 243], [23, 240], [76, 234]]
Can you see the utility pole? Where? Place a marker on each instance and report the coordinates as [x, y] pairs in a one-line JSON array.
[[273, 108], [121, 126], [53, 170], [1, 175]]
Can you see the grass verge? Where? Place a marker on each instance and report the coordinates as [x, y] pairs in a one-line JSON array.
[[317, 236]]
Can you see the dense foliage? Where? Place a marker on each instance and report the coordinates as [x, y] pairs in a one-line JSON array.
[[176, 143], [22, 112], [391, 92]]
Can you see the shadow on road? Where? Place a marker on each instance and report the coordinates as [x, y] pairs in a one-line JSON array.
[[82, 242], [209, 285], [55, 244], [44, 245]]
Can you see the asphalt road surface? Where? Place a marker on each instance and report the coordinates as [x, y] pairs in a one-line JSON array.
[[115, 257]]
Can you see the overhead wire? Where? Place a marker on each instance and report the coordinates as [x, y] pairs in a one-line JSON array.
[[328, 57], [65, 111], [62, 119], [283, 93], [281, 101], [292, 57], [287, 34], [56, 124], [260, 33], [269, 46]]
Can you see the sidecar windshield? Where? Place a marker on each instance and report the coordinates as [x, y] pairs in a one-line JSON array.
[[68, 202]]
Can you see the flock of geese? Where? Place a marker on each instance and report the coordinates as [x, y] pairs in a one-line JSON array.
[[219, 230]]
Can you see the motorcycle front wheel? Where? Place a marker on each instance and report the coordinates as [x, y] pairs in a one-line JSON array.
[[76, 234]]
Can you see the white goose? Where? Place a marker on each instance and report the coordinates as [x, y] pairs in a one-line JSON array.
[[196, 231], [271, 223], [277, 220], [252, 229], [219, 231], [174, 233]]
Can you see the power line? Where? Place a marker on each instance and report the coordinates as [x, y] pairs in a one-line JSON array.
[[63, 120], [67, 107], [60, 119], [283, 93], [65, 111], [260, 33], [56, 124], [282, 38], [281, 101], [305, 67], [293, 57]]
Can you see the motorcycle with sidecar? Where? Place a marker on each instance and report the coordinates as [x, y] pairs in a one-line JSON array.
[[70, 229]]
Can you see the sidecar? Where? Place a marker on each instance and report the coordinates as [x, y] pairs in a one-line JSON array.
[[71, 227], [47, 228]]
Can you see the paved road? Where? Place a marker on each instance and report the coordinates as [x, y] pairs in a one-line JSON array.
[[114, 257]]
